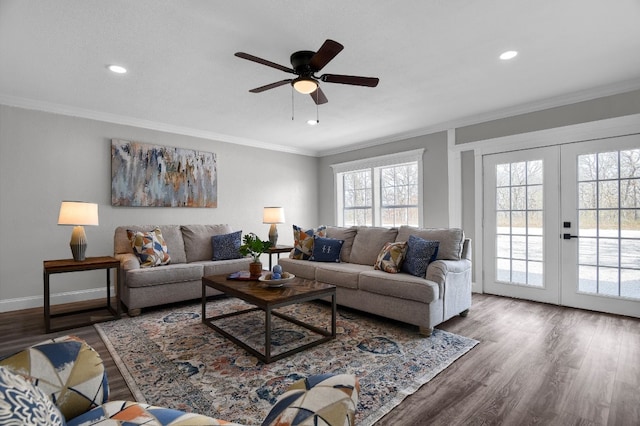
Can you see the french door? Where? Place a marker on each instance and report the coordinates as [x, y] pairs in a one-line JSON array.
[[562, 224]]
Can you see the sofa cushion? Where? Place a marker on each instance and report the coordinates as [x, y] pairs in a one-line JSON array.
[[346, 234], [171, 234], [368, 242], [226, 246], [219, 267], [403, 286], [22, 403], [168, 274], [391, 257], [66, 369], [150, 247], [299, 268], [303, 241], [326, 249], [451, 239], [197, 240], [341, 274]]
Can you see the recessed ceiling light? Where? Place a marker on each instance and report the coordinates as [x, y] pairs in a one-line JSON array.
[[509, 54], [312, 122], [117, 69]]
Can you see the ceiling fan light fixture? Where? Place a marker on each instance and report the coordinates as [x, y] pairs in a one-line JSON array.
[[305, 85]]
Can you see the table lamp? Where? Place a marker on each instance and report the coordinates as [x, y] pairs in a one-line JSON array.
[[273, 215], [78, 214]]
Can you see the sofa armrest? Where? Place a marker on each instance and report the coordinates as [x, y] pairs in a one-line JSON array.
[[128, 261], [330, 398], [67, 369], [438, 270]]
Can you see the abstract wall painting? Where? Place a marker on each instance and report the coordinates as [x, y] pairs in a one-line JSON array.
[[146, 175]]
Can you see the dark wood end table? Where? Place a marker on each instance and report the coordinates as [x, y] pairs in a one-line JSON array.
[[277, 250], [267, 299], [70, 265]]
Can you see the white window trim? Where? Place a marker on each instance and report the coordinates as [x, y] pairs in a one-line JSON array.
[[371, 163]]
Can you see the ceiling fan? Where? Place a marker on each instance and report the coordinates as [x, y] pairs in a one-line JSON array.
[[305, 64]]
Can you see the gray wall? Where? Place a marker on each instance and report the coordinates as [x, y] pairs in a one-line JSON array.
[[581, 112], [46, 158], [435, 191]]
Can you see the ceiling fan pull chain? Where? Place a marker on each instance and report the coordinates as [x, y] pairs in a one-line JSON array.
[[317, 107], [292, 110]]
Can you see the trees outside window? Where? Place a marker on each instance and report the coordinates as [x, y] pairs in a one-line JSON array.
[[381, 192]]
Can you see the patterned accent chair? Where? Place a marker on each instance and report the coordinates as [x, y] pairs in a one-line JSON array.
[[63, 381]]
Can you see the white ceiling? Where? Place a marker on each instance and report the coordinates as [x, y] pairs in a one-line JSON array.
[[437, 61]]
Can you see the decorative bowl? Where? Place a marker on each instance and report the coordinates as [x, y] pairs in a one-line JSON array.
[[275, 283]]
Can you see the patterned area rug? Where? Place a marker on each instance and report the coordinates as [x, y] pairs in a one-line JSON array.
[[169, 358]]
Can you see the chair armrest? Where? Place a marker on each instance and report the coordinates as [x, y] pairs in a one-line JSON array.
[[67, 369], [333, 399], [138, 413]]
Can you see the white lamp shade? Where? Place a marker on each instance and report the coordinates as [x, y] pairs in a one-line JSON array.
[[78, 213], [273, 215]]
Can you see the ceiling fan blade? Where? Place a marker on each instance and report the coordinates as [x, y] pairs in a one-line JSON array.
[[350, 79], [263, 62], [326, 53], [270, 86], [318, 96]]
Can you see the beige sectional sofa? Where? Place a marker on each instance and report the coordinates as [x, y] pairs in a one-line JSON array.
[[191, 251], [444, 292]]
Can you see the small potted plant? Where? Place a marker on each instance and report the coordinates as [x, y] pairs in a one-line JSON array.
[[254, 246]]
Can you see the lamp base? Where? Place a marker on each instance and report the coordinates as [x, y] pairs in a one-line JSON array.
[[273, 235], [78, 243]]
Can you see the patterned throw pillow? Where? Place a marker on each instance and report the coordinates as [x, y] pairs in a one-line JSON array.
[[150, 247], [326, 249], [420, 253], [391, 257], [303, 241], [22, 403], [226, 246]]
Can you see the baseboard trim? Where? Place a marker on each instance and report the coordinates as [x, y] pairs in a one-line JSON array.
[[21, 303]]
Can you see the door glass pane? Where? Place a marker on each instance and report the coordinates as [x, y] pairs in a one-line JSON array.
[[609, 223], [519, 228]]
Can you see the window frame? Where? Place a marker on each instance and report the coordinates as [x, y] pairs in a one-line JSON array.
[[374, 163]]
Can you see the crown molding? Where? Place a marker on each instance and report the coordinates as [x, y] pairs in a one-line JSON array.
[[557, 101], [51, 107]]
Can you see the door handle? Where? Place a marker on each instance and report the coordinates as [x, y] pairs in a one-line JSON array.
[[568, 236]]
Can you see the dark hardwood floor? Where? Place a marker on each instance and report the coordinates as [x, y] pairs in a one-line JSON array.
[[536, 364]]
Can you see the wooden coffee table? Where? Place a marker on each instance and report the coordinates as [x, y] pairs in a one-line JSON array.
[[267, 299]]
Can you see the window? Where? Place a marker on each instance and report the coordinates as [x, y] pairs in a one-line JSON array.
[[382, 191]]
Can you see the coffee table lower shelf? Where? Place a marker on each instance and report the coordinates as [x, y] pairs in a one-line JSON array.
[[268, 300], [267, 357]]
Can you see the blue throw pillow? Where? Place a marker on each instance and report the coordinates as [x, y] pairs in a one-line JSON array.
[[226, 246], [420, 253], [326, 249]]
